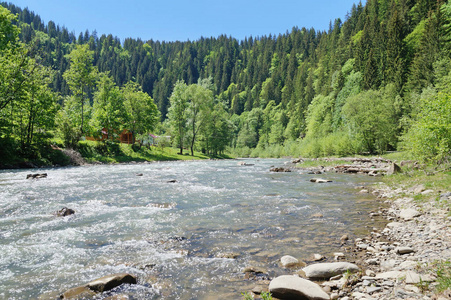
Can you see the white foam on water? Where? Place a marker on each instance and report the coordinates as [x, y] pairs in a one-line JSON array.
[[217, 205]]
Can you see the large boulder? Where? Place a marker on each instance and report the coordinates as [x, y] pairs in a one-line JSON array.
[[290, 287], [328, 270], [409, 213], [394, 169]]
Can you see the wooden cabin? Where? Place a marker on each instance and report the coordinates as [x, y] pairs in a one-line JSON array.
[[126, 136]]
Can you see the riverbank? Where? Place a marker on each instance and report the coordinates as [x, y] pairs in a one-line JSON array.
[[410, 257], [91, 152]]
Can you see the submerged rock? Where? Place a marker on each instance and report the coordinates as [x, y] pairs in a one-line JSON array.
[[79, 292], [320, 180], [280, 169], [318, 215], [294, 287], [327, 270]]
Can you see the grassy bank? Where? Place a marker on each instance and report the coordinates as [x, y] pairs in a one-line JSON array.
[[52, 154]]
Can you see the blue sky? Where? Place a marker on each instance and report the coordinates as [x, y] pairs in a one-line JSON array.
[[183, 19]]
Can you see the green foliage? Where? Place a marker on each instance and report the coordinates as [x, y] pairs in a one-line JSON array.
[[177, 114], [443, 270], [334, 144], [429, 137], [319, 116], [68, 121], [108, 108], [354, 88], [80, 77], [142, 114], [351, 87], [357, 37], [371, 118], [8, 31]]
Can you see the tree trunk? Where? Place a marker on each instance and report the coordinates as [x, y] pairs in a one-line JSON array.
[[82, 113]]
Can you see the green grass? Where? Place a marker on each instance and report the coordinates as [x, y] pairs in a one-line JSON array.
[[443, 274], [264, 296], [429, 176], [398, 156]]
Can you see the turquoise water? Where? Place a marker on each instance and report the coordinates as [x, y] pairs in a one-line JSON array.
[[175, 237]]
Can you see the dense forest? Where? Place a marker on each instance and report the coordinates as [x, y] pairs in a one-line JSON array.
[[376, 81]]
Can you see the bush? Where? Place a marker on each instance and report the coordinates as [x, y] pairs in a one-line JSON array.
[[429, 138], [334, 144]]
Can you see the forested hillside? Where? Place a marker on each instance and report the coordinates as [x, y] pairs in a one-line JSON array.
[[376, 81]]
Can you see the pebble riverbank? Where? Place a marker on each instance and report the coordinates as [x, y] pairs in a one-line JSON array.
[[399, 261]]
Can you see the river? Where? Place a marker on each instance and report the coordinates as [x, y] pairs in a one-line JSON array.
[[176, 237]]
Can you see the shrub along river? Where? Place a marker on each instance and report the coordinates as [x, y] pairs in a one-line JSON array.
[[179, 237]]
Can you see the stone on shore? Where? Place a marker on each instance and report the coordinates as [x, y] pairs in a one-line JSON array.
[[294, 287], [327, 270], [409, 214], [415, 278], [318, 257], [391, 275], [404, 250], [394, 169], [288, 261]]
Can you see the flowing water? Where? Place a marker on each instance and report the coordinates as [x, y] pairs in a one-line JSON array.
[[177, 238]]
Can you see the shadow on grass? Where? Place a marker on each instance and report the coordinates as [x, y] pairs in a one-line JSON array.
[[122, 153]]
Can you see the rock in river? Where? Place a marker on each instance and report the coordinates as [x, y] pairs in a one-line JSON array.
[[36, 176], [294, 287], [100, 285], [279, 169], [327, 270], [320, 180], [63, 212]]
